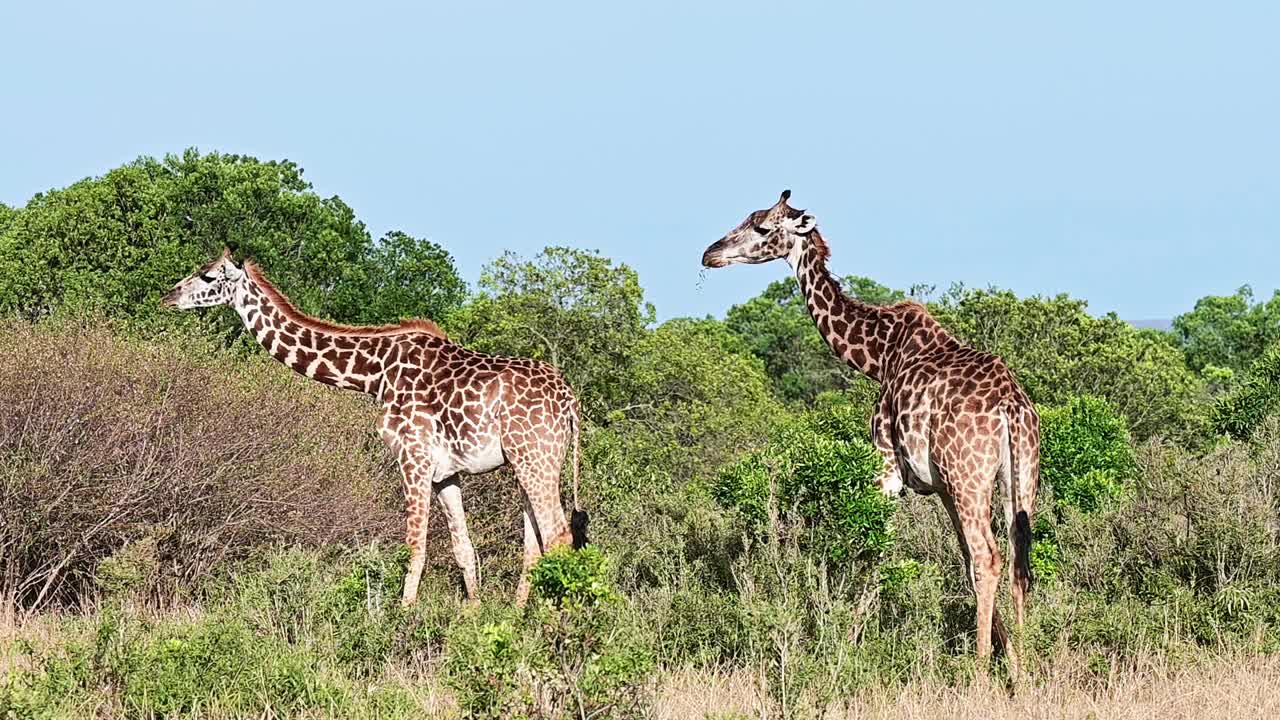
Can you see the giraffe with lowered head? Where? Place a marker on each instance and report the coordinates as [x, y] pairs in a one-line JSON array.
[[445, 409], [949, 420]]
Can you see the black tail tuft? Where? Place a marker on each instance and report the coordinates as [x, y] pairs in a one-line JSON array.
[[1022, 547], [578, 528]]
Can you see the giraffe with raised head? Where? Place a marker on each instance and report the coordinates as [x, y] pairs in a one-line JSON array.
[[445, 409], [949, 419]]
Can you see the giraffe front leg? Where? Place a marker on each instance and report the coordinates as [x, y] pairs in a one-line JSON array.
[[418, 504], [418, 475], [450, 497], [890, 479]]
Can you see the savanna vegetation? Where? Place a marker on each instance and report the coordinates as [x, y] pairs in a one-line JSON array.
[[188, 529]]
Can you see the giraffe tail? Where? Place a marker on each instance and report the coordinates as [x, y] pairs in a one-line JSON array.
[[1020, 488], [578, 521]]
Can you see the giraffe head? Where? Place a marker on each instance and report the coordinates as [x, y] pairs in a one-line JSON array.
[[213, 284], [765, 235]]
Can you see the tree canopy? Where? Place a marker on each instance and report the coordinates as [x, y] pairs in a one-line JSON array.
[[573, 308], [113, 244], [1228, 331]]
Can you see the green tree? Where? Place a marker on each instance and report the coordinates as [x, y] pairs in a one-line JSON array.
[[693, 399], [113, 244], [573, 308], [695, 382], [1228, 331], [1241, 411], [1058, 351], [778, 329], [411, 277]]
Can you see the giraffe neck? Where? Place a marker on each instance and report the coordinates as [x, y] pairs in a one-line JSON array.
[[857, 332], [310, 347]]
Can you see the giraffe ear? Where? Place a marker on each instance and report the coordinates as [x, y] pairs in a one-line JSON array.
[[229, 252], [805, 224]]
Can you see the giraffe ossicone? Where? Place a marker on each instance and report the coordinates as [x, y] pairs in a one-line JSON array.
[[445, 409], [950, 419]]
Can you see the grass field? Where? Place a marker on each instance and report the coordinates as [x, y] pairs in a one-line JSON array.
[[1218, 687]]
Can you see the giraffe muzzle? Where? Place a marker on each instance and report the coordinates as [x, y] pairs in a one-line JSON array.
[[713, 257], [170, 299]]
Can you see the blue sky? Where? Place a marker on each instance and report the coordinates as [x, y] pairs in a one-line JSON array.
[[1126, 153]]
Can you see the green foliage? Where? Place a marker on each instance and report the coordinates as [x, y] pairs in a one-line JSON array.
[[1058, 351], [576, 652], [1228, 332], [1241, 411], [572, 578], [570, 307], [410, 277], [113, 244], [481, 665], [695, 381], [777, 328], [692, 402], [820, 468], [1085, 455], [214, 664]]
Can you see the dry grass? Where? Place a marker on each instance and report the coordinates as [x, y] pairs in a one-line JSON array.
[[1249, 689]]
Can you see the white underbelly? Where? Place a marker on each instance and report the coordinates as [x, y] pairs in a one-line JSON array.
[[922, 474], [481, 459]]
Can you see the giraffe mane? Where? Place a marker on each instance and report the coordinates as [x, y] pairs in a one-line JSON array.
[[824, 254], [820, 244], [291, 312]]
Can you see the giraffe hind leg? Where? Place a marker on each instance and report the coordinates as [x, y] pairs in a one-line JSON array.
[[449, 493], [532, 551], [545, 525], [972, 520]]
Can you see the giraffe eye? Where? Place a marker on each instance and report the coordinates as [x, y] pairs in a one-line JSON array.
[[206, 277], [762, 230]]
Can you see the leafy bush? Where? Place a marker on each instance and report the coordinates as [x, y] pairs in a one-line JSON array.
[[215, 664], [483, 664], [577, 652], [569, 578], [598, 662], [1085, 455], [820, 468]]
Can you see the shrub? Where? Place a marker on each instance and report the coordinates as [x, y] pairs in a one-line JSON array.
[[819, 468], [573, 579], [214, 664], [597, 662], [485, 653], [168, 458], [1085, 455]]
